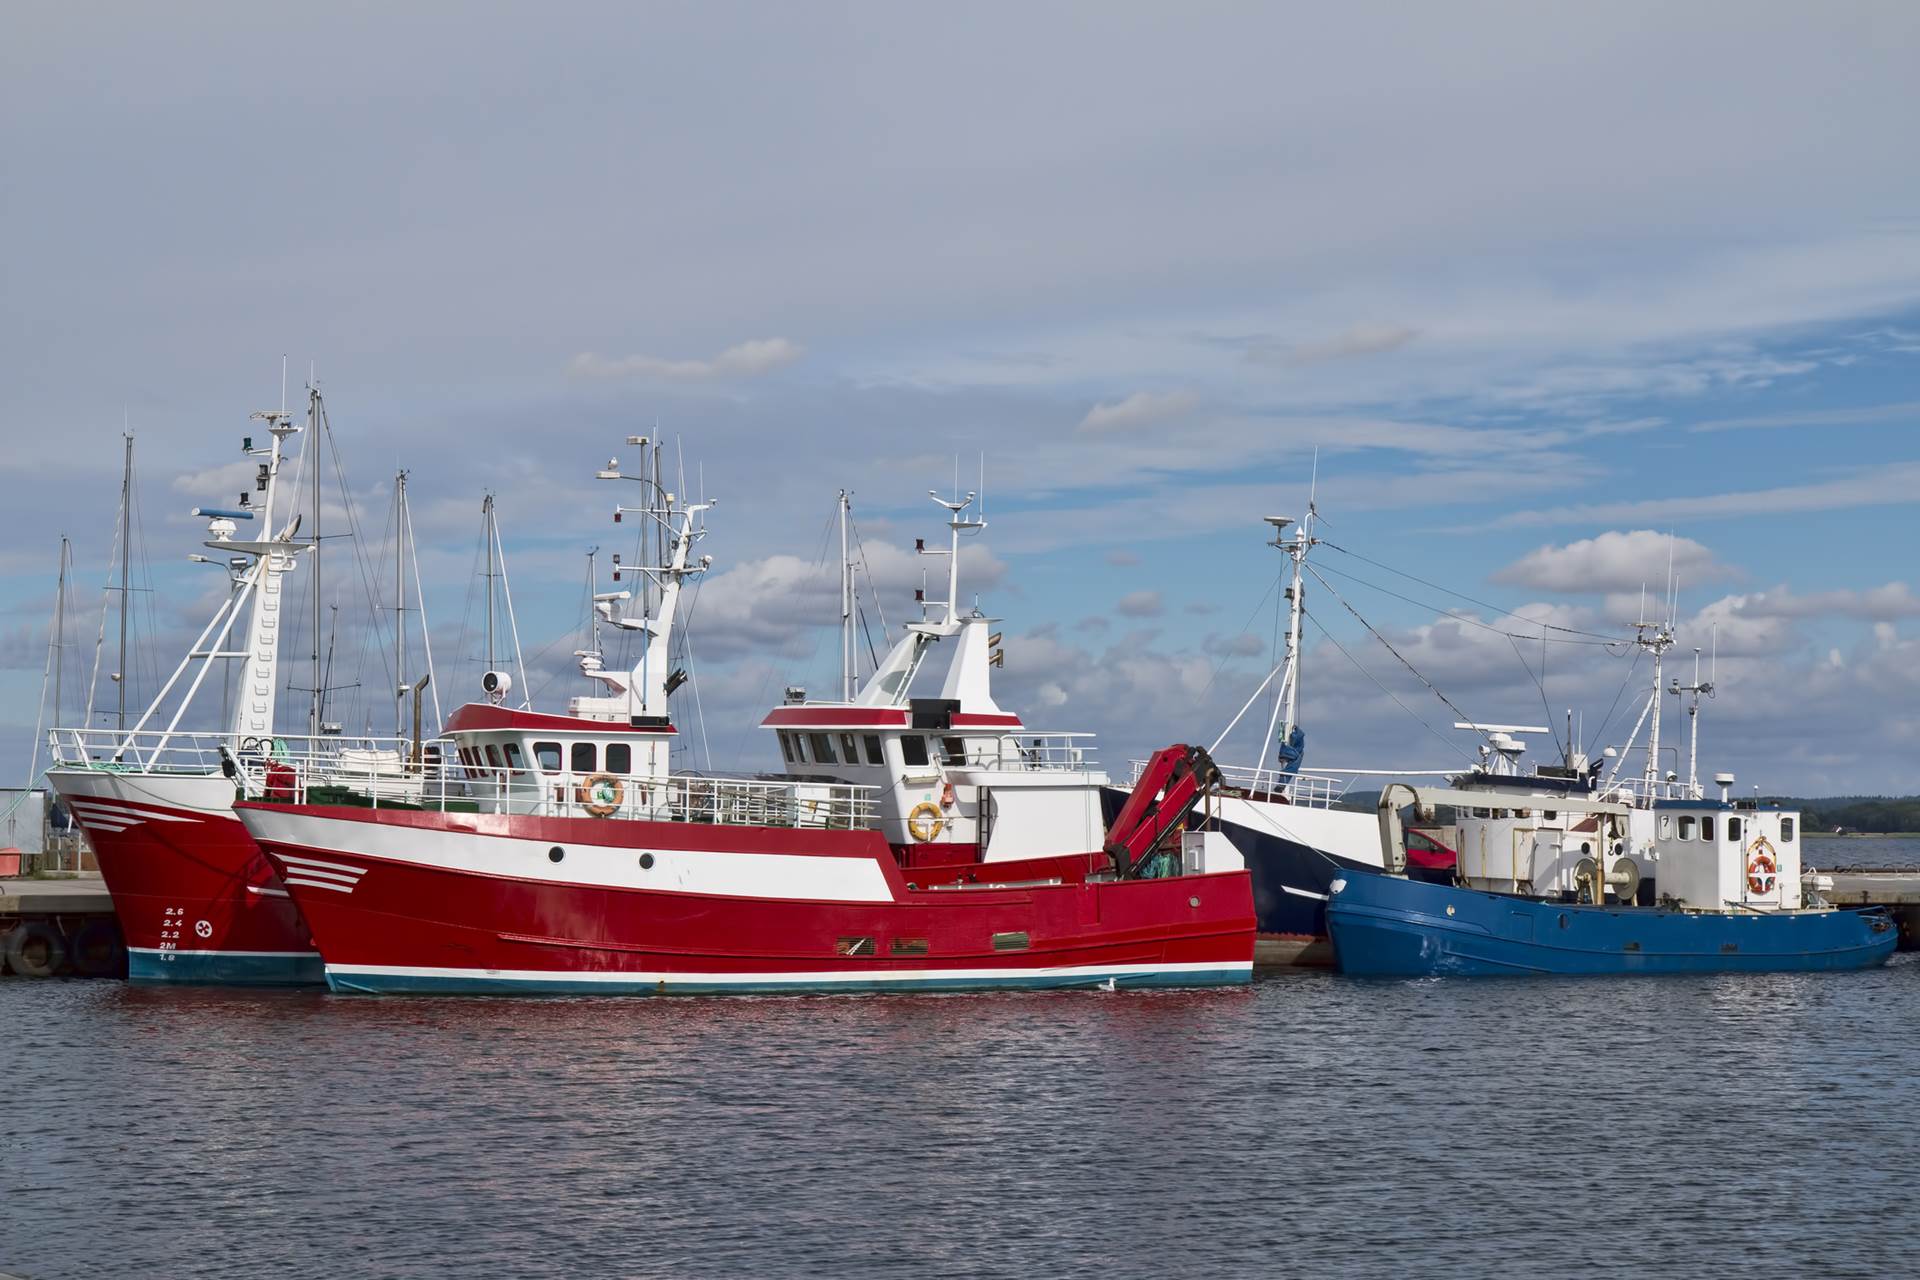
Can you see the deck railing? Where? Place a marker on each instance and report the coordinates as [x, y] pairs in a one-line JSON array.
[[1062, 752], [378, 766]]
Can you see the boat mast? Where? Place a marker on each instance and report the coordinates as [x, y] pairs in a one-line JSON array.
[[60, 624], [314, 706], [126, 534], [400, 601], [846, 605], [486, 515]]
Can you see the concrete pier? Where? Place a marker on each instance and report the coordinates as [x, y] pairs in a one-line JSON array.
[[59, 926], [1895, 888], [63, 896]]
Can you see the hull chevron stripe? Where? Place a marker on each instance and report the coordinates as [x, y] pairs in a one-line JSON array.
[[334, 885], [315, 873], [305, 863], [124, 810]]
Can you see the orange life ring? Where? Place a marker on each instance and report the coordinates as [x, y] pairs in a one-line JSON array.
[[601, 794], [1763, 868]]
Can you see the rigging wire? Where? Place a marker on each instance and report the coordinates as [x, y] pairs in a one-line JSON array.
[[1451, 744], [1388, 645], [1619, 694], [1434, 586], [1615, 645]]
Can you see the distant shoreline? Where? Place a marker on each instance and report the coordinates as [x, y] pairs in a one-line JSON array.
[[1863, 835]]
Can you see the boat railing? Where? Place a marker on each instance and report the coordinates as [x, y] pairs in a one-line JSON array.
[[723, 801], [393, 764], [1062, 752], [1311, 791], [1638, 791]]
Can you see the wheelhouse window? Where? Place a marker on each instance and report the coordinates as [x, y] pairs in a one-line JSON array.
[[493, 756], [1706, 828], [585, 758], [800, 747], [913, 749], [619, 757], [1686, 828], [1733, 828], [874, 756], [955, 750], [849, 749], [786, 748], [547, 756], [515, 761], [1786, 831], [822, 748]]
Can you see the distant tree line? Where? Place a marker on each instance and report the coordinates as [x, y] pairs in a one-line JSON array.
[[1868, 815]]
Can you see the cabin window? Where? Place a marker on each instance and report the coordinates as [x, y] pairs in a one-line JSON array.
[[547, 756], [913, 749], [466, 756], [1786, 831], [514, 761], [872, 741], [493, 756], [822, 748], [1706, 828], [1733, 829], [1686, 828], [585, 758], [1550, 815], [786, 748], [955, 749], [849, 749], [619, 757]]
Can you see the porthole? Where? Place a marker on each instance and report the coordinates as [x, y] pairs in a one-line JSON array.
[[646, 862], [556, 853]]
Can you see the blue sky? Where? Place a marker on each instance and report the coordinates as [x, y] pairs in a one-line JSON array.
[[1538, 288]]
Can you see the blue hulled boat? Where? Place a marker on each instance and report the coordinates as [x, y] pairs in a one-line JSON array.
[[1387, 925], [1729, 895]]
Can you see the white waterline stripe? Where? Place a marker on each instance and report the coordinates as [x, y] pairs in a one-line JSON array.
[[804, 975], [164, 951]]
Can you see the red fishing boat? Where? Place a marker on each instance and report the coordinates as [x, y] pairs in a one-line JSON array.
[[570, 858]]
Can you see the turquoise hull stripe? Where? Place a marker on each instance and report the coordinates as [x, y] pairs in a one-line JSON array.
[[481, 985], [224, 969]]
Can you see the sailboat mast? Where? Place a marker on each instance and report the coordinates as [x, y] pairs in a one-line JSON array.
[[846, 605], [126, 535], [60, 624], [319, 676], [399, 600]]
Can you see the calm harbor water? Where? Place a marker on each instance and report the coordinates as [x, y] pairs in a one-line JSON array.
[[1311, 1124]]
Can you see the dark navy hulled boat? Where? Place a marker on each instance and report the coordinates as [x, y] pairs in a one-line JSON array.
[[1730, 901]]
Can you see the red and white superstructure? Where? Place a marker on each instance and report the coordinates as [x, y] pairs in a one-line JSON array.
[[963, 787], [574, 859]]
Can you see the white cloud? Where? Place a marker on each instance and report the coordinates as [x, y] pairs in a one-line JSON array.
[[1141, 409], [1139, 604], [1893, 484], [1361, 340], [748, 359], [1615, 561]]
